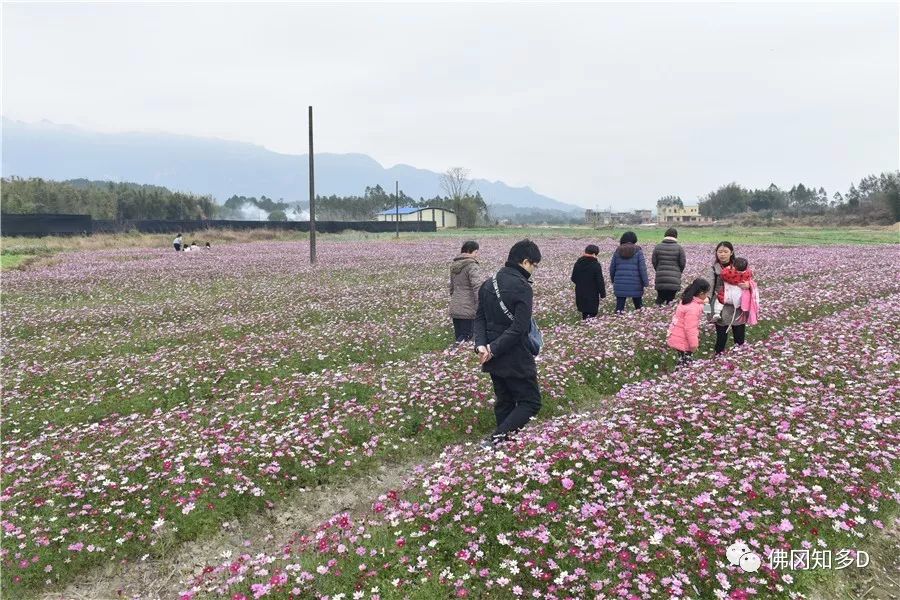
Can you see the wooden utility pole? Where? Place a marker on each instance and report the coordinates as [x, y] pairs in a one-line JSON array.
[[312, 196], [397, 200]]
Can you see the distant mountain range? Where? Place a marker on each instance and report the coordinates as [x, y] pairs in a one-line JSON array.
[[224, 168]]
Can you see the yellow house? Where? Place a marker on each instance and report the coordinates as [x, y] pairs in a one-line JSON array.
[[443, 217], [688, 214]]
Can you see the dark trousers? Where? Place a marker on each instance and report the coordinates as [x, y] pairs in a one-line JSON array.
[[620, 303], [685, 358], [665, 296], [585, 316], [738, 331], [177, 247], [518, 399], [462, 329]]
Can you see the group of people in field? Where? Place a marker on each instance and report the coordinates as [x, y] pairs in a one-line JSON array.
[[496, 313], [180, 246]]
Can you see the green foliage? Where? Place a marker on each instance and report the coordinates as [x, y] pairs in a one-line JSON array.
[[875, 199], [769, 199], [278, 215], [670, 201], [728, 200], [103, 199]]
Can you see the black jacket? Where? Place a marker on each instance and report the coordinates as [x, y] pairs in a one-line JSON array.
[[668, 261], [587, 275], [506, 337]]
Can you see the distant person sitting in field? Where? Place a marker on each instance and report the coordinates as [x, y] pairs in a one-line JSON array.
[[208, 247], [587, 275], [194, 246], [177, 243]]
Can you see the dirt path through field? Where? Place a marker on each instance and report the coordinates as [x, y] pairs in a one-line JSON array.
[[164, 577]]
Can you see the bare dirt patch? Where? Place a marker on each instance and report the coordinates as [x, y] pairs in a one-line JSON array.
[[164, 577]]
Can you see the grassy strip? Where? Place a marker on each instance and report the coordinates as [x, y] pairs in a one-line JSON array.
[[795, 235], [11, 261]]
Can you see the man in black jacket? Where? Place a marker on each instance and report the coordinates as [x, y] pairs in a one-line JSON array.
[[587, 275], [500, 341]]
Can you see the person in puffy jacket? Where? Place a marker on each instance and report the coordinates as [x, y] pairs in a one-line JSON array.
[[628, 272], [587, 275], [684, 332], [465, 278], [668, 260]]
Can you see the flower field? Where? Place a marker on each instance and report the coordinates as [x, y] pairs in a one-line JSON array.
[[152, 396], [790, 445]]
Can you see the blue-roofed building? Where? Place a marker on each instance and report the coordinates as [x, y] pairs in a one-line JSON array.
[[443, 217]]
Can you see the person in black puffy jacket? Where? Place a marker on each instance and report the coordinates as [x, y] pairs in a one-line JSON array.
[[587, 275], [668, 260]]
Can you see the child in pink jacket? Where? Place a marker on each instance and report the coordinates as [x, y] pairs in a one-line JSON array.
[[684, 332]]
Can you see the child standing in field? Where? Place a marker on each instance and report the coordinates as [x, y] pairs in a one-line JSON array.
[[684, 332], [177, 243]]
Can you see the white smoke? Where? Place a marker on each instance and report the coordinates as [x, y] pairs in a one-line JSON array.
[[297, 214], [249, 212]]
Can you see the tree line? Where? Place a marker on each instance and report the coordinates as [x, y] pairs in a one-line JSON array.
[[875, 199], [108, 200], [103, 200]]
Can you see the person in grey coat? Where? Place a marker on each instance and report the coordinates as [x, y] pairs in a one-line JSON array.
[[465, 279], [668, 261]]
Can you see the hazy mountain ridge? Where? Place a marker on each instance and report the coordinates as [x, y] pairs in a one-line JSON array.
[[221, 168]]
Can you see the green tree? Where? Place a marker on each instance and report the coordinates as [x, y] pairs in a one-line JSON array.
[[728, 200], [667, 201], [278, 215]]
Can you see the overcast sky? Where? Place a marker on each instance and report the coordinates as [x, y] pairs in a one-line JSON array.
[[592, 104]]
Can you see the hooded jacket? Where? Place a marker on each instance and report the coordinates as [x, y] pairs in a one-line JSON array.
[[668, 261], [684, 332], [587, 275], [465, 278], [628, 271]]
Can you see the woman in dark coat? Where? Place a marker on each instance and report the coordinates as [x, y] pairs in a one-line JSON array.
[[628, 272], [668, 261], [587, 275]]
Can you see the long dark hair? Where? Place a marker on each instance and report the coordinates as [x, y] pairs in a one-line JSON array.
[[698, 286], [730, 247]]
